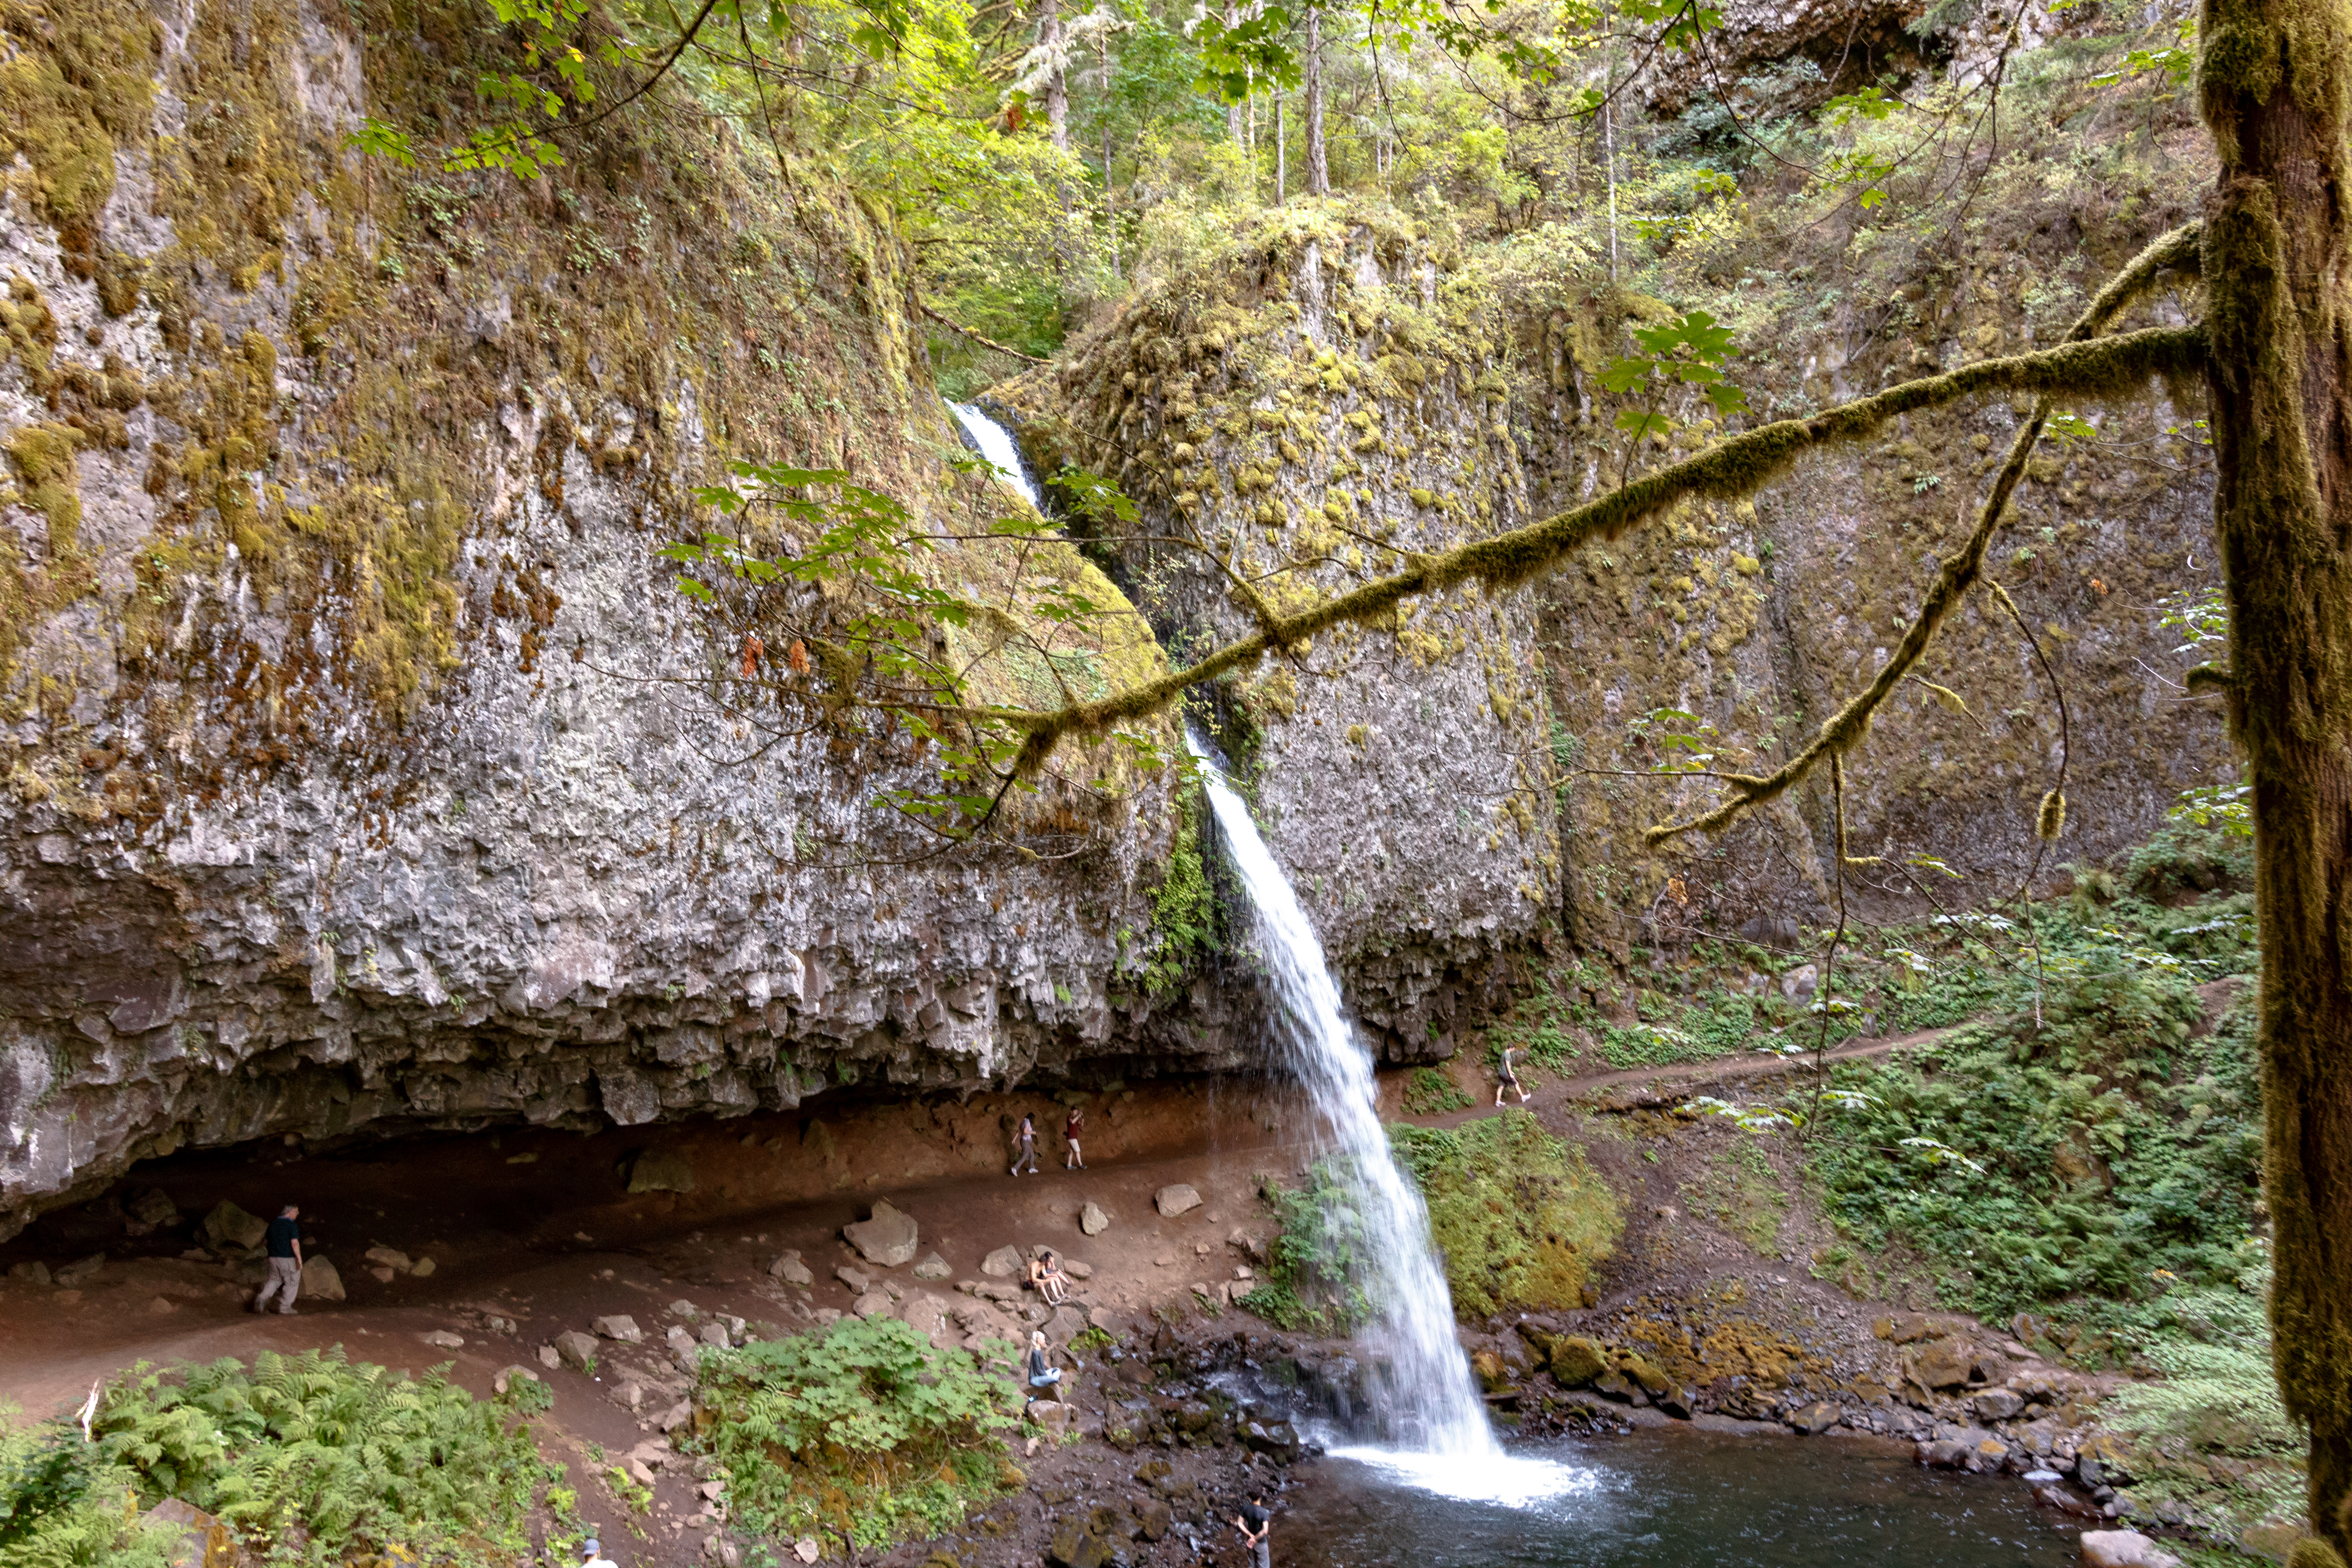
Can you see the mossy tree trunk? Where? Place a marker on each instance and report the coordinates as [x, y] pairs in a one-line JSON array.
[[2278, 244], [1318, 166]]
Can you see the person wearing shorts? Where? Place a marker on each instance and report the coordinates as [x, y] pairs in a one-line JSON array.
[[1072, 1125], [1510, 1078]]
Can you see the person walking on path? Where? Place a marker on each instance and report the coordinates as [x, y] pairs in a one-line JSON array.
[[592, 1554], [1041, 1375], [1510, 1078], [283, 1242], [1072, 1125], [1256, 1523], [1025, 1146]]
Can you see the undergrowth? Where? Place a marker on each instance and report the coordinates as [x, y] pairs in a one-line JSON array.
[[863, 1430], [1428, 1092], [309, 1460]]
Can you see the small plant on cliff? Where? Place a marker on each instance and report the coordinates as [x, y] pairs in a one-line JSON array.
[[864, 1430], [1429, 1092]]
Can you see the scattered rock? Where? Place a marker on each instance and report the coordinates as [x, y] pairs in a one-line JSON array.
[[1108, 1322], [442, 1339], [680, 1339], [789, 1269], [1798, 983], [508, 1376], [161, 1307], [1944, 1454], [807, 1549], [390, 1257], [383, 1276], [1577, 1361], [1065, 1325], [1250, 1242], [1176, 1199], [714, 1334], [621, 1327], [1076, 1546], [29, 1273], [549, 1358], [887, 1238], [1092, 1220], [857, 1279], [1942, 1363], [927, 1315], [661, 1170], [934, 1267], [1001, 1264], [1997, 1404], [154, 1208], [198, 1540], [422, 1267], [1078, 1270], [229, 1225], [1653, 1381], [873, 1304], [1814, 1419], [1154, 1518], [321, 1279], [1050, 1414], [74, 1276], [675, 1417], [2123, 1549], [577, 1350]]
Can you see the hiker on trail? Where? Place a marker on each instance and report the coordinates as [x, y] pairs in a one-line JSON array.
[[283, 1242], [1510, 1078], [1256, 1522], [1026, 1145], [1045, 1277], [1041, 1375], [1071, 1126], [592, 1554]]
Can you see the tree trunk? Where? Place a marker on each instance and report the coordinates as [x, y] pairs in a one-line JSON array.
[[1233, 110], [2277, 262], [1057, 79], [1318, 169], [1281, 152]]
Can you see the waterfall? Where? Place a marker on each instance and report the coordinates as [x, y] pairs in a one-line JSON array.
[[1422, 1394], [996, 444]]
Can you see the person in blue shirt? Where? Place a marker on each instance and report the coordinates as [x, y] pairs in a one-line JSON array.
[[283, 1242]]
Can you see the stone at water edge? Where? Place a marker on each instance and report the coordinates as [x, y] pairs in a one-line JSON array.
[[619, 1326], [1997, 1404], [229, 1225], [1001, 1264], [1178, 1199], [887, 1238], [1653, 1381], [577, 1350], [442, 1339], [1092, 1220], [1814, 1419], [934, 1267], [792, 1270], [1577, 1361], [321, 1281], [661, 1170], [2123, 1549]]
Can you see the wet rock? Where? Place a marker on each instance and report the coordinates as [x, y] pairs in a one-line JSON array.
[[30, 1272], [577, 1350], [229, 1225], [1653, 1381], [1577, 1361], [661, 1170], [1153, 1519], [1681, 1404], [1815, 1418], [789, 1269], [1944, 1454], [1002, 1263], [74, 1276], [442, 1340], [621, 1327], [1092, 1220], [887, 1238], [1616, 1385], [932, 1266], [1492, 1375], [1276, 1439], [2123, 1549], [1177, 1198]]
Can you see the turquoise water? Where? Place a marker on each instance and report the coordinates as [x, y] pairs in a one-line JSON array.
[[1669, 1499]]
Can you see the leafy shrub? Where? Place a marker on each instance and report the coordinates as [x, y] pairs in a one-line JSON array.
[[864, 1429], [1428, 1092], [1311, 1264], [364, 1460], [2099, 1150], [1516, 1214]]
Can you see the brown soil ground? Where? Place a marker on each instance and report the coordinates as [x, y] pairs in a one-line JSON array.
[[540, 1228]]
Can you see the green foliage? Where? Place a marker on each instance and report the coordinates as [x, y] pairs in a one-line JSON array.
[[1310, 1278], [2086, 1164], [1183, 906], [1428, 1092], [1690, 351], [366, 1460], [862, 1429], [1519, 1219]]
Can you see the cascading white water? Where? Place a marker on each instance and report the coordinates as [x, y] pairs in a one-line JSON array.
[[1423, 1395], [996, 444]]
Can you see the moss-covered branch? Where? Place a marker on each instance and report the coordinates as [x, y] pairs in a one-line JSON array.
[[1732, 466], [1959, 570]]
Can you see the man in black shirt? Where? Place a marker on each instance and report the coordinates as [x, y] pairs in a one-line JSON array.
[[284, 1244], [1256, 1521]]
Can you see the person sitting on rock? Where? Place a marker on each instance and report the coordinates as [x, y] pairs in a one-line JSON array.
[[1045, 1277], [1042, 1374], [283, 1242]]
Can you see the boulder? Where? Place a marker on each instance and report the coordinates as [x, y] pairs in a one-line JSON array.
[[229, 1225], [1996, 1404], [661, 1170], [1154, 1518], [1092, 1220], [321, 1281], [680, 1340], [1001, 1264], [932, 1266], [675, 1417], [1653, 1381], [1577, 1361], [390, 1257], [31, 1272], [154, 1208], [442, 1340], [2123, 1549], [887, 1238], [619, 1326], [789, 1269], [1798, 983], [548, 1358], [75, 1275], [1176, 1199], [1250, 1241], [1108, 1322], [1065, 1325], [1074, 1546], [714, 1335], [873, 1304], [1814, 1419], [927, 1315], [508, 1376], [856, 1280], [1942, 1363], [422, 1267], [1487, 1367], [577, 1350], [197, 1539], [1050, 1414], [1944, 1454], [1682, 1404]]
